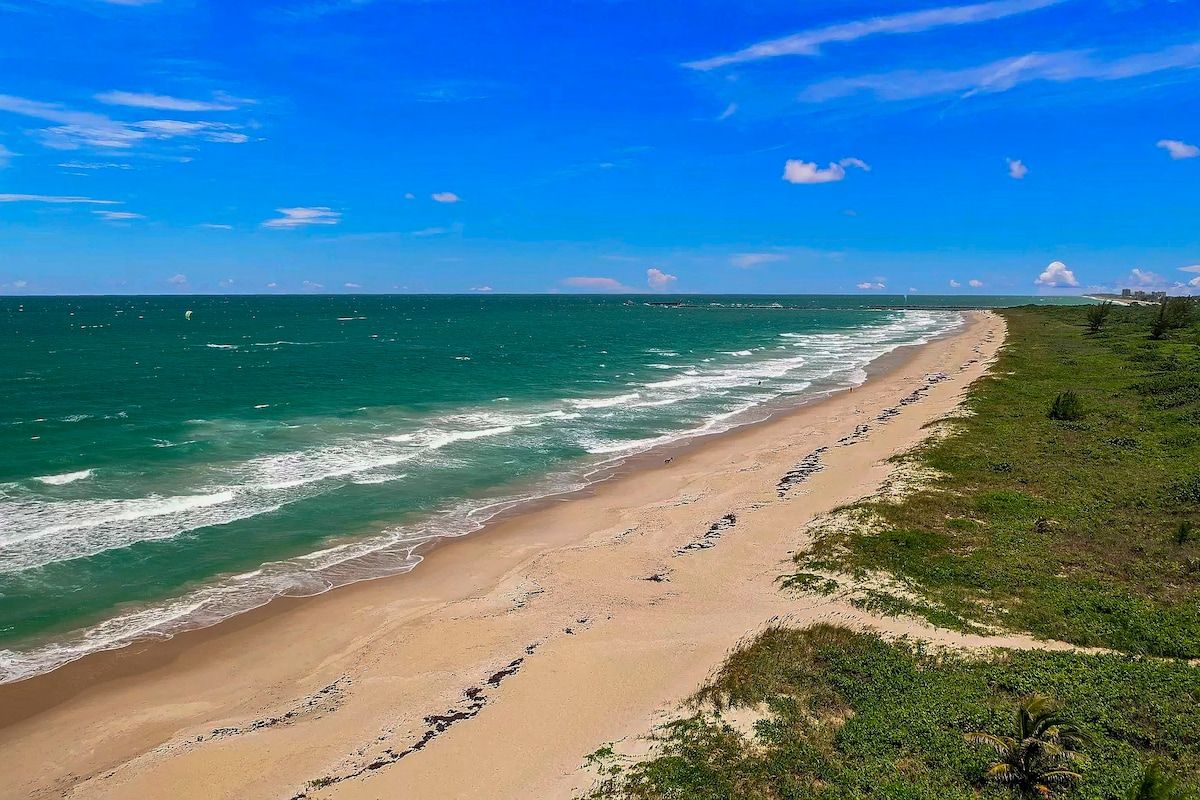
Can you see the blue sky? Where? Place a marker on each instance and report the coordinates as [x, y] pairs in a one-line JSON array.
[[999, 147]]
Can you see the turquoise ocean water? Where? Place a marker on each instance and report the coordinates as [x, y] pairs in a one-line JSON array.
[[158, 473]]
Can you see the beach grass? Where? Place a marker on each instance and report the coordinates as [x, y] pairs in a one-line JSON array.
[[849, 715], [1064, 499]]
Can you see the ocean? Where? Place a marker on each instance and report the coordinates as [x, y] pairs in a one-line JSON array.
[[161, 470]]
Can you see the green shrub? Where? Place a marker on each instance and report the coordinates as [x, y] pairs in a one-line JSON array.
[[1066, 407], [1098, 315]]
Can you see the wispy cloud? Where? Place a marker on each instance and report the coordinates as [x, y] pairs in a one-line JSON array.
[[93, 165], [47, 198], [729, 111], [1003, 75], [808, 43], [1179, 150], [748, 260], [805, 172], [1016, 169], [178, 279], [352, 285], [215, 226], [297, 217], [658, 280], [75, 129], [975, 283], [162, 102], [446, 197], [876, 285], [118, 216], [5, 156], [597, 284], [481, 288]]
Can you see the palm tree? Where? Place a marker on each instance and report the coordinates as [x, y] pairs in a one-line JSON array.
[[1036, 760], [1156, 784]]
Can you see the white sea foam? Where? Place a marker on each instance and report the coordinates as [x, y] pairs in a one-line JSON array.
[[222, 346], [604, 402], [64, 478]]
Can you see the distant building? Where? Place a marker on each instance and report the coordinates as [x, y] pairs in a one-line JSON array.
[[1145, 297]]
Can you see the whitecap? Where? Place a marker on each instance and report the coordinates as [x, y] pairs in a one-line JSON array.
[[66, 477], [604, 402]]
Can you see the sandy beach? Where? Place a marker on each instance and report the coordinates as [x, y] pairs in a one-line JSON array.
[[497, 665]]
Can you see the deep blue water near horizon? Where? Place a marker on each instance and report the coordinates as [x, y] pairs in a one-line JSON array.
[[158, 471]]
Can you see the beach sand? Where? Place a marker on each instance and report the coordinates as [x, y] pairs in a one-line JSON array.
[[497, 665]]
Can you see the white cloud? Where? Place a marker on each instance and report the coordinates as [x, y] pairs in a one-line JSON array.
[[178, 279], [312, 287], [118, 216], [658, 280], [1193, 268], [913, 289], [162, 102], [1194, 282], [872, 285], [1145, 278], [955, 284], [975, 283], [46, 198], [75, 129], [19, 284], [1003, 75], [481, 288], [747, 260], [809, 43], [446, 197], [598, 284], [215, 226], [225, 284], [353, 285], [93, 165], [295, 217], [409, 196], [797, 171], [272, 285], [1056, 275], [1179, 150], [434, 231], [1016, 169], [729, 111], [5, 156]]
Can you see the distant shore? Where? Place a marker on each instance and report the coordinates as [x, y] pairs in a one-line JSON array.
[[613, 600]]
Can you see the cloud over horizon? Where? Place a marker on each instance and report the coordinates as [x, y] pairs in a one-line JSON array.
[[1056, 275], [658, 280]]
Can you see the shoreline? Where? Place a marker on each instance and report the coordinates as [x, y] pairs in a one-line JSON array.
[[200, 679], [525, 499]]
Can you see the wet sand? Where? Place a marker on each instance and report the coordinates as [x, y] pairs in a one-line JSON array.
[[501, 661]]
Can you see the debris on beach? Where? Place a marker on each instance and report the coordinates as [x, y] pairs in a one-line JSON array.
[[810, 464], [859, 432], [710, 538]]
